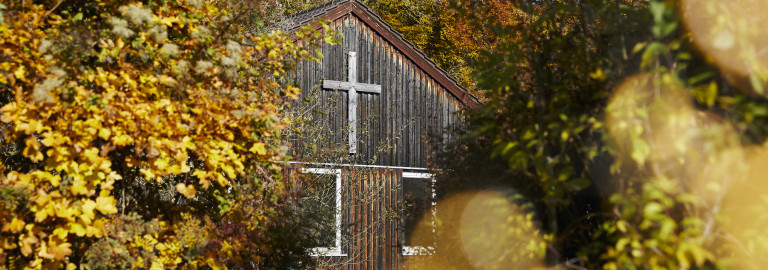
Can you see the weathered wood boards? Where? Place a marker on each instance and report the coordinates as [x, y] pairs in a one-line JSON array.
[[370, 226], [353, 87], [393, 100], [396, 105]]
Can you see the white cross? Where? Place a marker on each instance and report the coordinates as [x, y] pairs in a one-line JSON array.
[[353, 87]]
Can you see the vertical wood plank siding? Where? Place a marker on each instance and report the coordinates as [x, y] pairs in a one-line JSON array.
[[393, 130], [370, 226], [411, 106]]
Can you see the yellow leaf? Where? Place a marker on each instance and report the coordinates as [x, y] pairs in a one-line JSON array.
[[79, 186], [88, 208], [48, 139], [61, 233], [92, 154], [259, 148], [77, 228], [32, 151], [44, 252], [186, 190], [20, 72], [55, 180], [27, 244], [61, 251], [66, 211], [106, 205], [148, 174], [41, 215], [598, 74], [15, 226], [168, 81], [96, 229], [187, 143], [169, 20], [161, 163], [122, 140], [132, 83], [156, 266], [200, 174], [111, 178], [104, 133], [221, 180], [229, 171], [185, 168], [43, 175]]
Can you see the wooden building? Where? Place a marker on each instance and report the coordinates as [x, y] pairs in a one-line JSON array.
[[374, 102]]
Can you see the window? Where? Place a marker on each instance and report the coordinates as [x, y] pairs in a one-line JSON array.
[[325, 202], [419, 195]]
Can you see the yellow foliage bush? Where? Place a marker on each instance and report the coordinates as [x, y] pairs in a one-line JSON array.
[[121, 93]]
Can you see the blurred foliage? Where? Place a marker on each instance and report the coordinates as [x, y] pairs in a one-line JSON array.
[[627, 127], [451, 33], [625, 134], [143, 134]]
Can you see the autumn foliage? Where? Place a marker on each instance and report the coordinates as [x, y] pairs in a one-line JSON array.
[[114, 110], [637, 130]]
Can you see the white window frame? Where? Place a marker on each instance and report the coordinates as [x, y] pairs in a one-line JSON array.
[[421, 250], [335, 250]]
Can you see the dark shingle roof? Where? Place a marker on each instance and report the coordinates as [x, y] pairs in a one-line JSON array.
[[308, 15]]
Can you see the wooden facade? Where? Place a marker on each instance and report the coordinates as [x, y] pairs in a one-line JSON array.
[[370, 238], [416, 100]]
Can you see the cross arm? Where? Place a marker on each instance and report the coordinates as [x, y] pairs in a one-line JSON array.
[[360, 87]]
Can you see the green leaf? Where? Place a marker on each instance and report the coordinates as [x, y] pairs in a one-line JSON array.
[[656, 30], [657, 10], [667, 228], [508, 147], [528, 135], [683, 56], [699, 78], [711, 94], [655, 48], [639, 47], [78, 16], [329, 40], [652, 209], [579, 184], [640, 151], [668, 29], [706, 94]]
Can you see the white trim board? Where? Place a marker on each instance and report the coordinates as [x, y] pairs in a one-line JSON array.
[[357, 165], [421, 250], [335, 250]]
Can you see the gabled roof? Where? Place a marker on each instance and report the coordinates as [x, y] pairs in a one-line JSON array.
[[336, 9]]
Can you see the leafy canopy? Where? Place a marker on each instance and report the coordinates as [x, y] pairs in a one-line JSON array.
[[112, 105]]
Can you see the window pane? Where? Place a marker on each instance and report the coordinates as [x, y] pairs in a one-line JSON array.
[[417, 193], [321, 203]]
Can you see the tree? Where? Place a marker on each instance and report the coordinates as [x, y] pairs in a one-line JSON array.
[[128, 124], [628, 132]]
